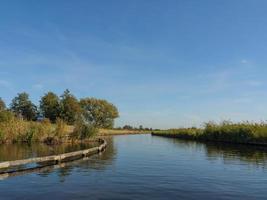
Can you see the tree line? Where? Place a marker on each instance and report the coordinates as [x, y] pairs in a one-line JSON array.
[[129, 127], [97, 113]]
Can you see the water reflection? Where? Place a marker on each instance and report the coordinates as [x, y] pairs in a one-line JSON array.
[[63, 170], [95, 162], [22, 151], [229, 153]]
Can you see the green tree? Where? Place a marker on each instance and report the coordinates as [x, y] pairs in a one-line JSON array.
[[100, 113], [127, 127], [23, 107], [70, 107], [2, 105], [50, 106]]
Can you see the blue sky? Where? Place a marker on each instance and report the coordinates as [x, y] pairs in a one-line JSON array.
[[164, 63]]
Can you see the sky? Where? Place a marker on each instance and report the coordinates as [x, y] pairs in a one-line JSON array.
[[163, 63]]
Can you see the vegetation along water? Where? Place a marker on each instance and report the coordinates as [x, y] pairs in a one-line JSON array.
[[245, 133], [55, 120], [145, 167]]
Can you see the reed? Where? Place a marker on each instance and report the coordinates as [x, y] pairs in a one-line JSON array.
[[18, 130], [244, 132]]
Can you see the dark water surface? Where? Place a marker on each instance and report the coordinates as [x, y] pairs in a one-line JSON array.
[[148, 167]]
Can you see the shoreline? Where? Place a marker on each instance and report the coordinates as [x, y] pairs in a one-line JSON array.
[[111, 132], [192, 138], [54, 159]]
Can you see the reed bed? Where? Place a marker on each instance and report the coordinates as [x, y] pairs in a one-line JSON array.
[[244, 132], [18, 130]]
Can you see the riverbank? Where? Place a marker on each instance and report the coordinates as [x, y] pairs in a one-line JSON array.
[[53, 159], [18, 130], [109, 132], [241, 133]]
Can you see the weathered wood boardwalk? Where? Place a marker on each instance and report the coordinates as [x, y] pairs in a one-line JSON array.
[[56, 158]]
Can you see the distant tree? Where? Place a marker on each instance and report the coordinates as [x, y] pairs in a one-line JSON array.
[[50, 106], [128, 127], [70, 107], [141, 127], [100, 113], [2, 105], [23, 107]]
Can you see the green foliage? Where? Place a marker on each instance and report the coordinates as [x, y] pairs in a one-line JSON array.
[[2, 105], [50, 106], [99, 113], [70, 108], [83, 130], [23, 107], [18, 130], [229, 132], [244, 132], [17, 124], [127, 127], [6, 116], [2, 137], [30, 134], [60, 129]]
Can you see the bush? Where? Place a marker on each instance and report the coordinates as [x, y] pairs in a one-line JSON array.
[[6, 116], [60, 129], [83, 131]]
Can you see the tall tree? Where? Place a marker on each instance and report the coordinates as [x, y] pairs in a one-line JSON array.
[[23, 107], [98, 112], [50, 106], [2, 105], [70, 107]]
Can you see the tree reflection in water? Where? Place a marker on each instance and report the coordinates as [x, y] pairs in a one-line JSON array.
[[229, 153], [96, 162], [19, 151]]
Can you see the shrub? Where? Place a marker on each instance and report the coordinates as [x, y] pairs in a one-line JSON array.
[[6, 116], [60, 129], [82, 130]]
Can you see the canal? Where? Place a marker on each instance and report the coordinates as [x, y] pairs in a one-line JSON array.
[[146, 167]]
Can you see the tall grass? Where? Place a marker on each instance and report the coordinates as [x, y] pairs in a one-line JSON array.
[[226, 131], [14, 129], [83, 131], [18, 130]]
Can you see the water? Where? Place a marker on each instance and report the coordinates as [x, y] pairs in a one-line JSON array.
[[150, 167]]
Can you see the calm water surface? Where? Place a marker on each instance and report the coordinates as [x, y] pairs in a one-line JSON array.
[[147, 167]]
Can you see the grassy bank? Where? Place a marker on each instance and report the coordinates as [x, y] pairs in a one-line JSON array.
[[18, 130], [244, 133], [107, 132]]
